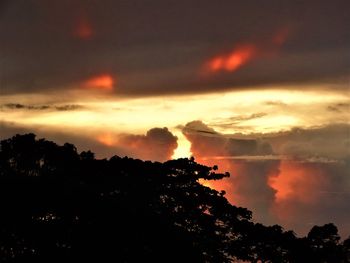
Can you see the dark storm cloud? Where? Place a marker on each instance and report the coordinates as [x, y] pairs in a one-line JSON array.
[[157, 47]]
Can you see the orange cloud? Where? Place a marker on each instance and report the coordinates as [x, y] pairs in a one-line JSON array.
[[234, 60], [158, 144], [106, 139], [242, 54], [299, 188], [299, 181], [101, 82]]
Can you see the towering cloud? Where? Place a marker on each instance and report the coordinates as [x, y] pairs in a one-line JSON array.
[[296, 178], [158, 144]]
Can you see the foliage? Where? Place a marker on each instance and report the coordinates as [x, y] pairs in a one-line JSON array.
[[58, 205]]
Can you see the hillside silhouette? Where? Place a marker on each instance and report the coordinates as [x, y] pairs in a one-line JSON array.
[[58, 205]]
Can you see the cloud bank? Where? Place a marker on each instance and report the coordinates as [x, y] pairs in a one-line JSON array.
[[61, 44], [296, 178]]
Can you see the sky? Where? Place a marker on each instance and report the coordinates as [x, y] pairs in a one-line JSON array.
[[260, 88]]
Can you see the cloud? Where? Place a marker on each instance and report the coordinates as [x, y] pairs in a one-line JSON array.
[[313, 142], [231, 62], [243, 54], [298, 179], [204, 137], [339, 107], [232, 121], [316, 193], [19, 106], [104, 82], [157, 47], [158, 144]]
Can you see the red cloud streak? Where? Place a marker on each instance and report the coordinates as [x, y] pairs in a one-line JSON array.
[[242, 54], [101, 82], [234, 60]]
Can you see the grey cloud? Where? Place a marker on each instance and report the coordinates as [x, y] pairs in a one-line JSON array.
[[232, 121], [198, 127], [204, 137], [18, 106], [159, 47], [329, 142], [157, 145]]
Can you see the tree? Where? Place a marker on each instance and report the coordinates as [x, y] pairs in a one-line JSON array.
[[58, 205]]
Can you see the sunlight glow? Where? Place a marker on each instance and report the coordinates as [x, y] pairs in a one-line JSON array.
[[279, 110], [183, 149]]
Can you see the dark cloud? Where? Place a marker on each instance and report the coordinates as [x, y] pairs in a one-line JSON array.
[[157, 145], [339, 107], [275, 103], [305, 182], [158, 47], [207, 142], [313, 142], [233, 121], [18, 106]]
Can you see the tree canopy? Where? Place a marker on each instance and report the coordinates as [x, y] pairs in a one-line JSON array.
[[58, 205]]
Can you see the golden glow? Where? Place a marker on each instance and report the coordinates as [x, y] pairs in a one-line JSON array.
[[283, 110], [106, 139], [184, 147]]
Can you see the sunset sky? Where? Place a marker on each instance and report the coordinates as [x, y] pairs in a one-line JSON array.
[[261, 88]]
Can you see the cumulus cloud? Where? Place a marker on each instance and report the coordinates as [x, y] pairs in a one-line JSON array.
[[207, 142], [158, 144], [313, 142], [297, 178]]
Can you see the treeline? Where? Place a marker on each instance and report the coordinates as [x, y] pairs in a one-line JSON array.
[[61, 206]]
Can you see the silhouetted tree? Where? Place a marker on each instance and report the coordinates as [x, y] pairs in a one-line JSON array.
[[59, 206]]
